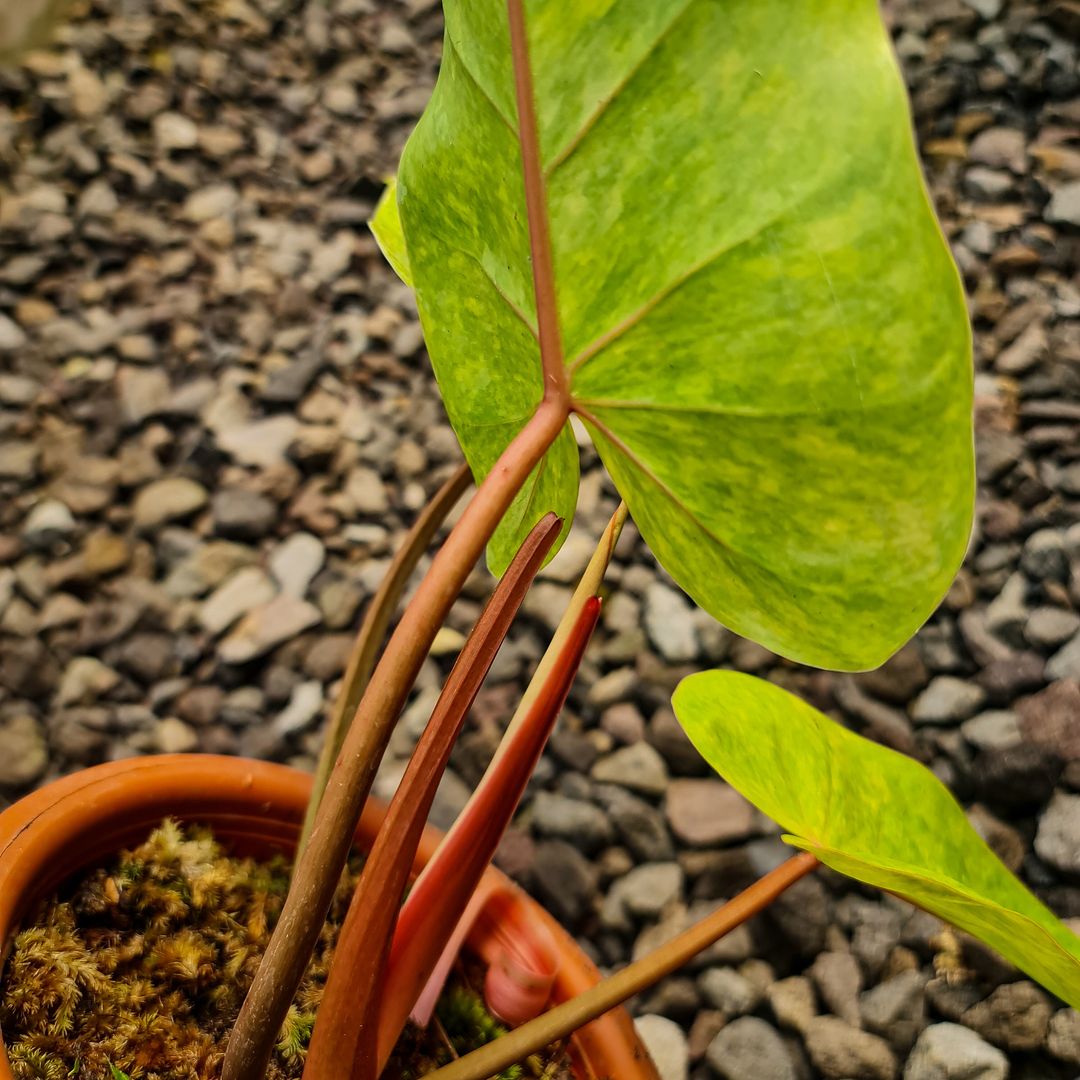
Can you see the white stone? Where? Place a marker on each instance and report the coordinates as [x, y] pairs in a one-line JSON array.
[[266, 627], [295, 561], [49, 519], [12, 335], [244, 591], [305, 703], [666, 1043]]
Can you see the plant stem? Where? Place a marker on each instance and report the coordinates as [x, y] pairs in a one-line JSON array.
[[320, 866], [346, 1035], [640, 975], [319, 869], [373, 631], [543, 267]]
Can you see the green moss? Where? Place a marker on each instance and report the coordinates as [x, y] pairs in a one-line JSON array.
[[139, 970]]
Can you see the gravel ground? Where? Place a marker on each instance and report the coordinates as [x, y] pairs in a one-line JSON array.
[[216, 421]]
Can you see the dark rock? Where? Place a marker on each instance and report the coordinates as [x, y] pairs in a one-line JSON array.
[[667, 735], [288, 384], [839, 980], [1005, 841], [1014, 1017], [579, 823], [876, 931], [801, 914], [708, 812], [201, 705], [879, 722], [896, 1010], [1004, 680], [952, 999], [899, 679], [148, 657], [516, 854], [28, 669], [573, 748], [240, 514], [676, 997], [640, 825], [328, 657], [1044, 557], [107, 621], [1022, 775], [79, 735], [1052, 719], [565, 880]]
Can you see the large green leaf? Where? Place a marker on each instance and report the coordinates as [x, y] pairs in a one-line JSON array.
[[765, 332], [872, 814]]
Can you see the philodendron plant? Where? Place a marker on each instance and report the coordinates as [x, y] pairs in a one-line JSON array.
[[699, 226]]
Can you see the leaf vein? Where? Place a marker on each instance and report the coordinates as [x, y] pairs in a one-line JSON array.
[[591, 120], [654, 301], [736, 412], [665, 490], [474, 79]]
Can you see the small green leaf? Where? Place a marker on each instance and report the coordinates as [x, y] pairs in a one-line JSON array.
[[386, 227], [872, 814], [118, 1074], [765, 334]]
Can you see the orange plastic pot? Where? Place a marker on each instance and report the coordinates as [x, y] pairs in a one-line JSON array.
[[256, 808]]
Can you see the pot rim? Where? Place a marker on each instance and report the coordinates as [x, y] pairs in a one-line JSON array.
[[70, 823]]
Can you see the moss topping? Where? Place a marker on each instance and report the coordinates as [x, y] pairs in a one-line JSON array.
[[140, 971]]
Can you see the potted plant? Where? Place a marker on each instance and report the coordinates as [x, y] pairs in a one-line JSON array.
[[256, 809], [701, 229]]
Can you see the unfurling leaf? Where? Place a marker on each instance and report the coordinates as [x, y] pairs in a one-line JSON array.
[[527, 730], [431, 917], [872, 814], [764, 331]]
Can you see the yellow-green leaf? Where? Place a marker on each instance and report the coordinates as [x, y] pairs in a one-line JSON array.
[[385, 224], [765, 333], [872, 814]]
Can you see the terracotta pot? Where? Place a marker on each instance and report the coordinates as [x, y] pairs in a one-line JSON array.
[[79, 821]]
